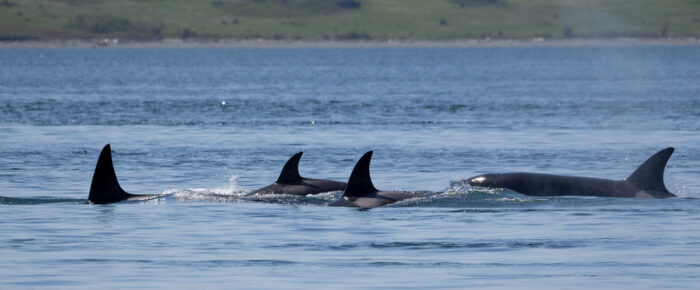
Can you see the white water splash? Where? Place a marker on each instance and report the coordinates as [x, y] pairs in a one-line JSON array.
[[226, 192]]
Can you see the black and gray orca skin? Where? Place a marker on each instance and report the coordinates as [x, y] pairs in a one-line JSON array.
[[645, 182], [105, 187], [360, 191], [290, 182]]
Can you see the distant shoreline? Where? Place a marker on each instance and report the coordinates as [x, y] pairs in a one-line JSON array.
[[272, 43]]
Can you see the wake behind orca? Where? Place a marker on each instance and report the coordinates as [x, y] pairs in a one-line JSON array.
[[645, 182], [104, 187], [290, 182]]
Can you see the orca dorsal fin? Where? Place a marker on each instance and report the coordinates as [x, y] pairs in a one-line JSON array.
[[360, 183], [105, 187], [650, 175], [290, 171]]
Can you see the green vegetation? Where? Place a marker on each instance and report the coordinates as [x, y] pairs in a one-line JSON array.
[[463, 3], [347, 19]]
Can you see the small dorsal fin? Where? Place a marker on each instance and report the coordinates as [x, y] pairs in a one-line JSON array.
[[105, 187], [290, 171], [650, 175], [360, 183]]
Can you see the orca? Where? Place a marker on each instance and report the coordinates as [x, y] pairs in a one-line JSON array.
[[290, 182], [360, 191], [105, 187], [645, 182]]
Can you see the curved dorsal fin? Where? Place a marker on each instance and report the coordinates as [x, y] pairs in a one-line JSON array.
[[290, 171], [105, 187], [650, 175], [360, 183]]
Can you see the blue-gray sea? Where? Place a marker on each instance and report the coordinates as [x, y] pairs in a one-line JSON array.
[[204, 126]]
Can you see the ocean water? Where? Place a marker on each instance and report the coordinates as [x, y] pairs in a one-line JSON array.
[[204, 126]]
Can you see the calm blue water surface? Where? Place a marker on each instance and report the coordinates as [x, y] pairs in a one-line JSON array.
[[203, 126]]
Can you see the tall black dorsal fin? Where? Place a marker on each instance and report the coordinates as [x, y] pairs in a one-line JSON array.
[[650, 175], [290, 171], [105, 187], [360, 183]]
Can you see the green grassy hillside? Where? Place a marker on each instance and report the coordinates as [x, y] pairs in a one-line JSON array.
[[347, 19]]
